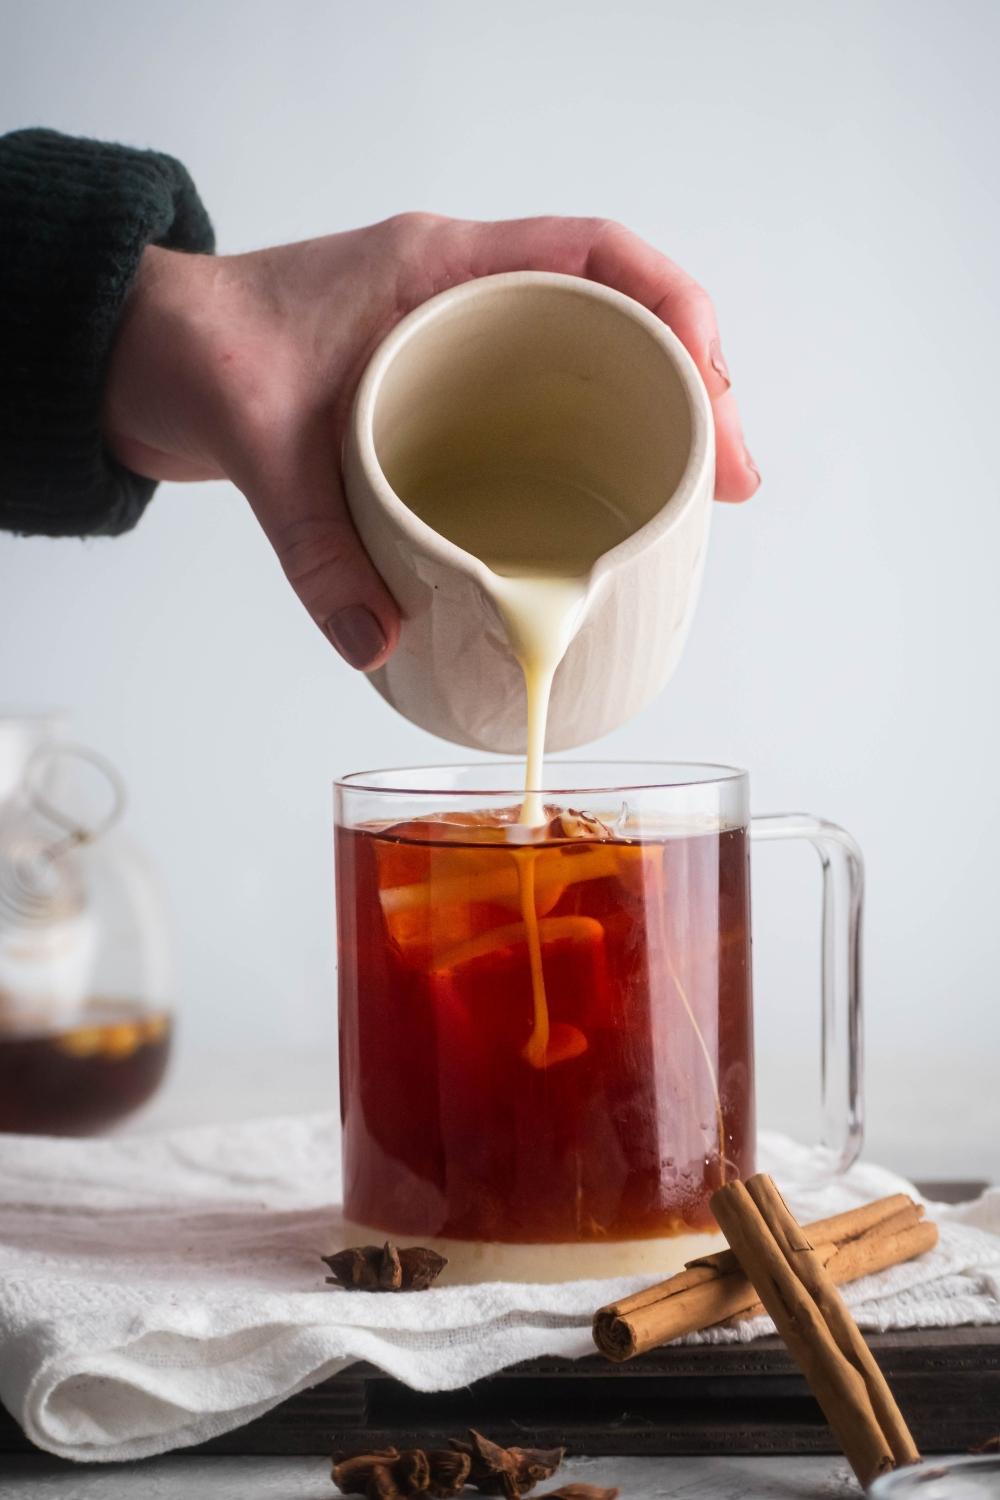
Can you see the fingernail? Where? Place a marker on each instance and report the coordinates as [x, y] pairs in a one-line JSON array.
[[357, 635], [717, 360], [750, 464]]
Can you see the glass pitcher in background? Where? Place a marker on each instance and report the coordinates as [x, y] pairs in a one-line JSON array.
[[85, 1024]]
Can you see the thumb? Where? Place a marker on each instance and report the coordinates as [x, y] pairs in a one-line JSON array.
[[300, 503]]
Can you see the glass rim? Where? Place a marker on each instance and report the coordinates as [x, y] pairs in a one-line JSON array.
[[706, 773]]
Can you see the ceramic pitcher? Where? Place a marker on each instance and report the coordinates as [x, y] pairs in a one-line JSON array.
[[529, 371]]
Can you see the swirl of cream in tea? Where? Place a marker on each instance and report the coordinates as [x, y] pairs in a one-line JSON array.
[[539, 537]]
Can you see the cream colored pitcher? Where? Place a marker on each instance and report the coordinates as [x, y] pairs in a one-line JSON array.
[[543, 417]]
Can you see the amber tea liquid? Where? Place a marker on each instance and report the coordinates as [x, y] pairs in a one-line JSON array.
[[615, 1113]]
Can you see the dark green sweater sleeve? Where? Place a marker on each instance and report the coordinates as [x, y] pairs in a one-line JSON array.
[[75, 217]]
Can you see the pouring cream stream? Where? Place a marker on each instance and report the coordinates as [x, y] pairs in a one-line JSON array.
[[539, 539]]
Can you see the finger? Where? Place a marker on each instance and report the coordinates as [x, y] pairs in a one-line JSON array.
[[621, 259], [300, 504], [736, 475], [611, 254]]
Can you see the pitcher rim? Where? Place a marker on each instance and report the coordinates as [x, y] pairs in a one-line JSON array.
[[361, 425]]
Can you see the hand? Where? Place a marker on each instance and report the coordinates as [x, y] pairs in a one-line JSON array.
[[243, 367]]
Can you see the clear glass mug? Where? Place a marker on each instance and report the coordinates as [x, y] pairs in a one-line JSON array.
[[546, 1049]]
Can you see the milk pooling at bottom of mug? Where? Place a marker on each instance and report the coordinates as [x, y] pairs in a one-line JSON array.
[[460, 1121]]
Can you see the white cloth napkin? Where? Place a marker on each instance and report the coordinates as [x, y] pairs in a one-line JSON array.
[[156, 1291]]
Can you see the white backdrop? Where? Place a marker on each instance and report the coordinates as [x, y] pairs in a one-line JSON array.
[[829, 172]]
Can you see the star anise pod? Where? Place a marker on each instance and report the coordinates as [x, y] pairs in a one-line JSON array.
[[421, 1267], [449, 1472], [412, 1472], [506, 1471], [383, 1484], [536, 1464], [389, 1474], [384, 1475], [491, 1468], [383, 1268], [360, 1474]]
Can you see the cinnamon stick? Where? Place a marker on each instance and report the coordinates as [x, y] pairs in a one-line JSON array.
[[840, 1227], [837, 1229], [816, 1326], [902, 1237], [815, 1277], [713, 1288]]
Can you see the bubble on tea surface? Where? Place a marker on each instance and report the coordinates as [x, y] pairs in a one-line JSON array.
[[571, 823], [624, 823]]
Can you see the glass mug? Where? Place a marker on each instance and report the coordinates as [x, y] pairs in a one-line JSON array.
[[546, 1048]]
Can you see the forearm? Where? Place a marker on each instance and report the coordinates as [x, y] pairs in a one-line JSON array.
[[76, 216]]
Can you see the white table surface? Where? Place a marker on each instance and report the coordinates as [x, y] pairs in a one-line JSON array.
[[180, 1478]]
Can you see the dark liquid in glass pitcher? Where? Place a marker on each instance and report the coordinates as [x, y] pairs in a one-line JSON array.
[[85, 1077]]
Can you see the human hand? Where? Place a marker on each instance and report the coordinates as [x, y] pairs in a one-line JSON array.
[[244, 367]]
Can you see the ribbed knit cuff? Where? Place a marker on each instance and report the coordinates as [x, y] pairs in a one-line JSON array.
[[75, 217]]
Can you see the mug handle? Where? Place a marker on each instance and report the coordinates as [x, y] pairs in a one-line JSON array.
[[841, 1059]]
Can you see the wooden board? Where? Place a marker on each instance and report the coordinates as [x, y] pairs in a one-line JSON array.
[[710, 1399], [746, 1398]]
